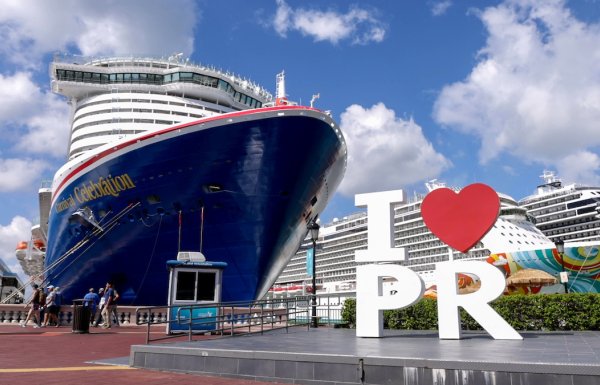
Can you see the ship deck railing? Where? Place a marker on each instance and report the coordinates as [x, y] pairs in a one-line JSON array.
[[229, 319]]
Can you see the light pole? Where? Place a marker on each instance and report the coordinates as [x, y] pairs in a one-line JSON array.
[[560, 247], [314, 235]]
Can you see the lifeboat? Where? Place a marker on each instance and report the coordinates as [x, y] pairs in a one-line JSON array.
[[39, 244], [22, 245]]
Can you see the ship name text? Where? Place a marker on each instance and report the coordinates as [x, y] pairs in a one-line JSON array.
[[92, 190]]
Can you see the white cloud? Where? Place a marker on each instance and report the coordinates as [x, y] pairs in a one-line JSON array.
[[439, 8], [37, 121], [358, 25], [30, 28], [48, 129], [19, 96], [535, 92], [20, 174], [581, 167], [19, 229], [385, 152]]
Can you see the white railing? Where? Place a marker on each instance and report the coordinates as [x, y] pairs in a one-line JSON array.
[[14, 314]]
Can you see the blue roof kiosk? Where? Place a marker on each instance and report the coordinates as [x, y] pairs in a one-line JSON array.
[[193, 281]]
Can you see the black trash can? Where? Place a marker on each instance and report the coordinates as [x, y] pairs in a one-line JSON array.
[[81, 317]]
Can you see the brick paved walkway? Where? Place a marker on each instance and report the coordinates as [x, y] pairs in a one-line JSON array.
[[57, 356]]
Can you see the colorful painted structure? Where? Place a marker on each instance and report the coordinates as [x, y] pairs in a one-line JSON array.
[[581, 262]]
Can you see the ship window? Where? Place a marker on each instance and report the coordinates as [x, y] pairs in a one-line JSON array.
[[167, 78], [127, 77], [175, 76], [185, 76], [119, 78]]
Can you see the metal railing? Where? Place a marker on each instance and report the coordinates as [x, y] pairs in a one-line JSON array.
[[233, 318], [329, 307]]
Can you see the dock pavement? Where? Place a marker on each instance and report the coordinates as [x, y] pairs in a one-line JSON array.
[[57, 356]]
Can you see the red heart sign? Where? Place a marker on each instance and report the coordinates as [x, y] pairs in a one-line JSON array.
[[461, 220]]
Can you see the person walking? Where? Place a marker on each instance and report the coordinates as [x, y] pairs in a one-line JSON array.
[[111, 297], [43, 295], [100, 307], [114, 311], [34, 301], [51, 307]]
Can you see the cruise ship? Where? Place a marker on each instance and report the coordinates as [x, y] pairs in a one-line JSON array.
[[168, 156], [567, 212], [513, 233]]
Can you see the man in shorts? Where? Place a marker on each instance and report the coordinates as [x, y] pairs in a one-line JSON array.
[[51, 307]]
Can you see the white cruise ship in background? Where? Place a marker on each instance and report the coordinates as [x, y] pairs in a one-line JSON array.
[[512, 233], [566, 212]]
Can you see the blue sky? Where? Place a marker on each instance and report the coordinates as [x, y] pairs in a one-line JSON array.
[[463, 91]]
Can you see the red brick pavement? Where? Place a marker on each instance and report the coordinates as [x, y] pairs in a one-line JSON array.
[[57, 356]]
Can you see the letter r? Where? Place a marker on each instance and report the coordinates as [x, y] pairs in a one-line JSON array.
[[476, 304]]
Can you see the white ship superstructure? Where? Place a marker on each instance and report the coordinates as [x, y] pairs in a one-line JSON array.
[[569, 212], [338, 241], [114, 98]]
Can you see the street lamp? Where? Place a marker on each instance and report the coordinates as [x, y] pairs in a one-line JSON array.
[[314, 227], [560, 247]]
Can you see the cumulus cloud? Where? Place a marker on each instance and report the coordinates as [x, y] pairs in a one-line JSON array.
[[535, 91], [358, 25], [19, 96], [580, 166], [385, 152], [20, 174], [17, 230], [29, 28], [439, 8], [36, 121], [47, 130]]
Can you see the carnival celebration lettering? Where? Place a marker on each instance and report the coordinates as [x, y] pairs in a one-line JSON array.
[[90, 190]]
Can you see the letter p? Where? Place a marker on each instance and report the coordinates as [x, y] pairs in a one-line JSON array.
[[370, 301]]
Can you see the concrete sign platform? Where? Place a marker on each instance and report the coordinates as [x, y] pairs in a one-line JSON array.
[[337, 356]]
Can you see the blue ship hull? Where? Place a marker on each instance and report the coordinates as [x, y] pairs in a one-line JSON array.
[[243, 185]]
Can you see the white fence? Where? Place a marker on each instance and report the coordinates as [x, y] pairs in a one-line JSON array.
[[13, 314]]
